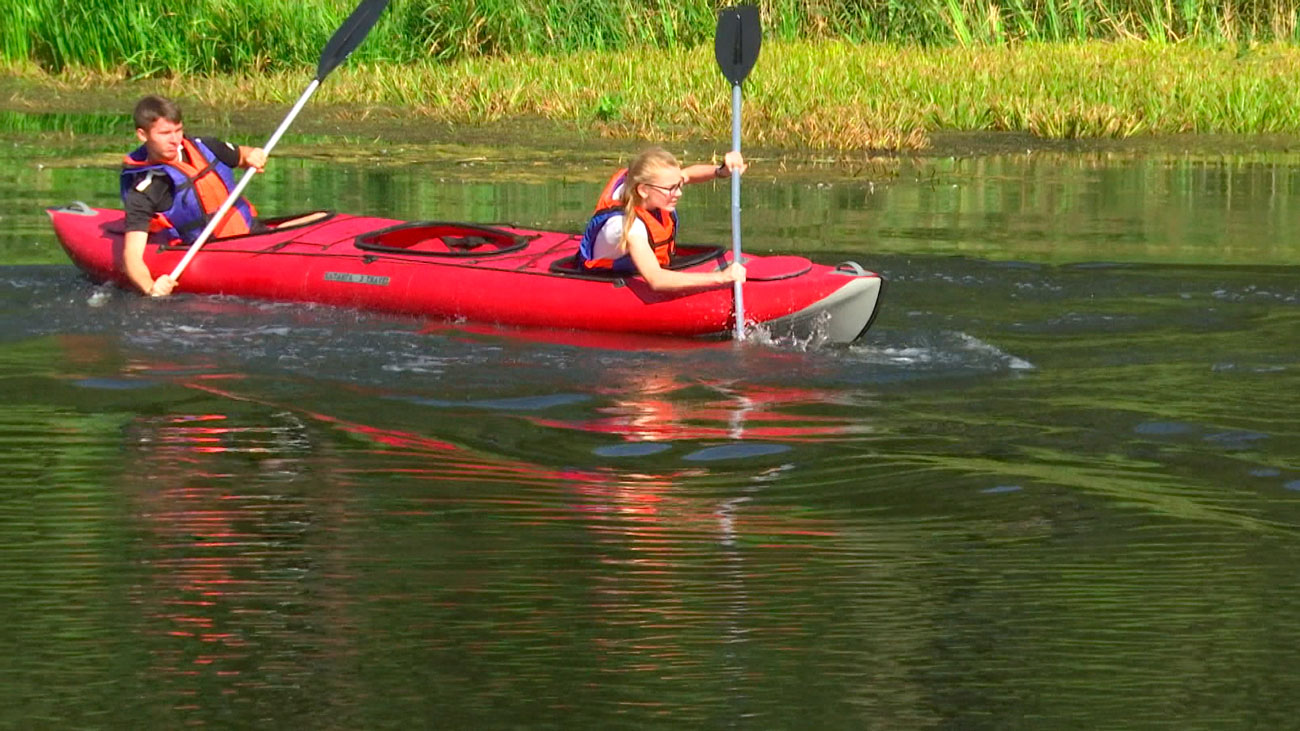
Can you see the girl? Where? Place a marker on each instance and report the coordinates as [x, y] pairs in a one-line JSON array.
[[635, 224]]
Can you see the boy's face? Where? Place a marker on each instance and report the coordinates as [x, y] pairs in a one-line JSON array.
[[162, 140]]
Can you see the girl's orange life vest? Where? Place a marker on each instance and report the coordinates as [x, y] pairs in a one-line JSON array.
[[661, 227], [201, 184]]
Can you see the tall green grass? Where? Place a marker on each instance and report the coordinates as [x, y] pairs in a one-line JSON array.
[[825, 94], [153, 38], [145, 38]]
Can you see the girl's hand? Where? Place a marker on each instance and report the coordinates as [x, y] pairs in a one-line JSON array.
[[733, 273], [734, 163]]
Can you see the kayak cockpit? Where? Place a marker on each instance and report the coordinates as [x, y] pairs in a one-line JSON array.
[[431, 238], [685, 257]]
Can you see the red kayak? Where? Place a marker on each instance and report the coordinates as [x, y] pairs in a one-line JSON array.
[[491, 274]]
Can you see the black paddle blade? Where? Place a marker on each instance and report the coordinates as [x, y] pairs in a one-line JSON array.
[[349, 35], [737, 41]]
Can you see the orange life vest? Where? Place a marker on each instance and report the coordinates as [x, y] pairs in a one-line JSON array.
[[660, 225], [201, 184]]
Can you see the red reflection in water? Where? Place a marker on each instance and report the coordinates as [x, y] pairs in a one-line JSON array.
[[451, 460], [227, 558], [675, 590], [224, 539], [671, 558], [235, 576], [627, 342], [652, 408]]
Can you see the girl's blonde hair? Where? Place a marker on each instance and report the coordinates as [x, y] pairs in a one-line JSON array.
[[642, 170]]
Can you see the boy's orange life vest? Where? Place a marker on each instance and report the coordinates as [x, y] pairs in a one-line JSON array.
[[201, 183]]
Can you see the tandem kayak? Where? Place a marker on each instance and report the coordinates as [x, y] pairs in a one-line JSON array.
[[501, 275]]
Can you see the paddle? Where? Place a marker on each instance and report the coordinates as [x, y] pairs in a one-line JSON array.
[[736, 45], [344, 41]]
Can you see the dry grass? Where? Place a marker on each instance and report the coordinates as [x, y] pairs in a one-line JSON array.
[[821, 95]]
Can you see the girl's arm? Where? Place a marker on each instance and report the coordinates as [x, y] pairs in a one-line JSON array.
[[732, 163], [666, 280]]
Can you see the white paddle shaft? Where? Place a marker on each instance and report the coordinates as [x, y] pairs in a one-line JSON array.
[[735, 212], [243, 182]]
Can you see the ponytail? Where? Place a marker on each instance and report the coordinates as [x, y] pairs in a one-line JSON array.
[[640, 171]]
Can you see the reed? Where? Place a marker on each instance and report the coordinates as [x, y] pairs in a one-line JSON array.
[[158, 38], [150, 38], [832, 74], [827, 95]]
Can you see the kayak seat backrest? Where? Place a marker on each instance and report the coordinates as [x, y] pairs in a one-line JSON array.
[[464, 243], [301, 218], [430, 238], [685, 258]]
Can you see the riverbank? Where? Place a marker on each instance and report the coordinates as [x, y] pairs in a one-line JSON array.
[[828, 96]]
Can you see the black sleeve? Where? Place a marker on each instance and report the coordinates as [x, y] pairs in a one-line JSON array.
[[225, 152], [140, 205]]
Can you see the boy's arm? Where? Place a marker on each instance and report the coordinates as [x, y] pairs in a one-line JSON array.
[[133, 264]]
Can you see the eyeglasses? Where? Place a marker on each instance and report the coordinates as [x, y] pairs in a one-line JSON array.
[[667, 189]]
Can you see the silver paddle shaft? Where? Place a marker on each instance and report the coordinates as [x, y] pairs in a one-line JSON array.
[[735, 212]]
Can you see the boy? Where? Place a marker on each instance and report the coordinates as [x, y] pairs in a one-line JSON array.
[[174, 183]]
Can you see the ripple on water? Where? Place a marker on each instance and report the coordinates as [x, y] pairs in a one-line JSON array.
[[944, 353], [742, 450], [1081, 322], [522, 403], [1164, 428], [1255, 293], [1234, 367], [633, 449], [113, 384], [1236, 439]]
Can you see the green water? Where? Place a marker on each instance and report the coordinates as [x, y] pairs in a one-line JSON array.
[[1057, 486], [1195, 201]]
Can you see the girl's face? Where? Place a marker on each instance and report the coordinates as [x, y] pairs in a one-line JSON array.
[[663, 189]]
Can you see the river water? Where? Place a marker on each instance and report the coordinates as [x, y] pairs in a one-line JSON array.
[[1057, 485]]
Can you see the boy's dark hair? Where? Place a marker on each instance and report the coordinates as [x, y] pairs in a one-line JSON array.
[[152, 108]]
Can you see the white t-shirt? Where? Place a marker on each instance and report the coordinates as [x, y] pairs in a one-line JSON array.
[[607, 238]]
